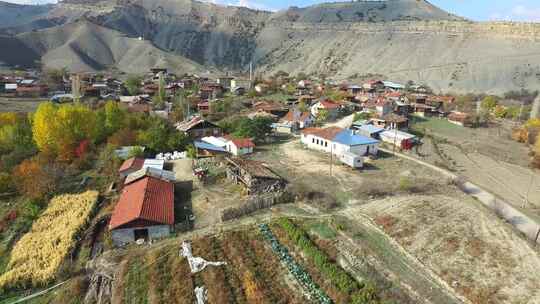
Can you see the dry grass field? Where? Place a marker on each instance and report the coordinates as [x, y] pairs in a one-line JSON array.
[[477, 254]]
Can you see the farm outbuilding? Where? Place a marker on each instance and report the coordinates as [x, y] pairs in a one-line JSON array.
[[145, 210], [254, 175]]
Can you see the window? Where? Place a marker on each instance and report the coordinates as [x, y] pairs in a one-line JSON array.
[[326, 144], [313, 140], [317, 141]]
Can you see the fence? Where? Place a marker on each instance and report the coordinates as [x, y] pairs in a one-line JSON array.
[[255, 203]]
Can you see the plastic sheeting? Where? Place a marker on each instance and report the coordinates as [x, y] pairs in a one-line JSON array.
[[196, 264]]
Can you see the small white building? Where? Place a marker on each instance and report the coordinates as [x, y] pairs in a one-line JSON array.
[[399, 138], [240, 146], [330, 107]]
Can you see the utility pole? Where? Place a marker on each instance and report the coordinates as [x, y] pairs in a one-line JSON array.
[[250, 74], [331, 157]]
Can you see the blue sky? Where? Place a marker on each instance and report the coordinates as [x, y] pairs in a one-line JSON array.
[[517, 10]]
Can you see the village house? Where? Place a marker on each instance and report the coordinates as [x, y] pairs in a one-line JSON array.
[[32, 90], [145, 211], [238, 83], [354, 89], [298, 120], [204, 149], [211, 91], [403, 140], [459, 118], [343, 143], [392, 86], [135, 164], [331, 107], [391, 121], [239, 146], [380, 106], [271, 107], [198, 127], [373, 86], [368, 130], [255, 176], [422, 110], [225, 81]]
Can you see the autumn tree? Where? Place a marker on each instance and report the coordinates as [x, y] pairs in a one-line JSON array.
[[34, 178], [58, 130], [489, 103]]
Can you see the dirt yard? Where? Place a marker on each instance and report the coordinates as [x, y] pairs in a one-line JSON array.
[[477, 254], [208, 200]]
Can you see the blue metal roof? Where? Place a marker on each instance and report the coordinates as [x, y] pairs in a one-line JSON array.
[[207, 146], [371, 129], [347, 137]]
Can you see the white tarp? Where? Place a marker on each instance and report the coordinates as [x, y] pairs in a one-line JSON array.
[[201, 294], [196, 264], [172, 156]]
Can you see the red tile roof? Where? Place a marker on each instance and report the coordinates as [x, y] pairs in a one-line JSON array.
[[329, 105], [132, 163], [243, 143], [328, 133], [149, 199], [300, 116]]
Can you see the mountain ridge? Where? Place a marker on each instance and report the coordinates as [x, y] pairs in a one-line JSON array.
[[401, 39]]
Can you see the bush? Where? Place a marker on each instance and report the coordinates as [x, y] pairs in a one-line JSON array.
[[6, 183]]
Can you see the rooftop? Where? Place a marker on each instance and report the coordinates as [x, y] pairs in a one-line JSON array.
[[148, 199]]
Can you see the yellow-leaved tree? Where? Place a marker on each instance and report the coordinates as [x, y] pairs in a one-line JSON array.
[[45, 127], [60, 129]]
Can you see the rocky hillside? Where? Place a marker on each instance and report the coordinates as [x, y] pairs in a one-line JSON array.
[[401, 39]]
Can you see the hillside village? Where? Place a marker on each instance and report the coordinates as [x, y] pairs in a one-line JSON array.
[[189, 161]]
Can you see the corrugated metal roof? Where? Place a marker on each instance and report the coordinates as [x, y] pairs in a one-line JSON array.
[[347, 137], [148, 199], [132, 163], [371, 129], [207, 146]]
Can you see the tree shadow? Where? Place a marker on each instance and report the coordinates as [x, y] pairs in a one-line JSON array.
[[183, 206]]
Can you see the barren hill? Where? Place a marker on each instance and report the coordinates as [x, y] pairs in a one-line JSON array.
[[401, 39]]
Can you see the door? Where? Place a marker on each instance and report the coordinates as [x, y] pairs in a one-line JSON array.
[[141, 234]]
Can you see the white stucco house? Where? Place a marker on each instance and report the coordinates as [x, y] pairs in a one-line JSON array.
[[342, 143], [240, 146]]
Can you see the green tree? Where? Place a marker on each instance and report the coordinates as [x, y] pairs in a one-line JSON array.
[[322, 116], [133, 84], [302, 107], [114, 117], [489, 103]]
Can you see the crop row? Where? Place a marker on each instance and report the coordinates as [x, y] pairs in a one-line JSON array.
[[37, 256], [360, 293], [294, 268]]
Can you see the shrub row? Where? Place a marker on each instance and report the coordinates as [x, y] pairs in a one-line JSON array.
[[360, 293]]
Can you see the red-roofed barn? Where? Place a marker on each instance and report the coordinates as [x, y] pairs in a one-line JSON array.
[[145, 210]]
